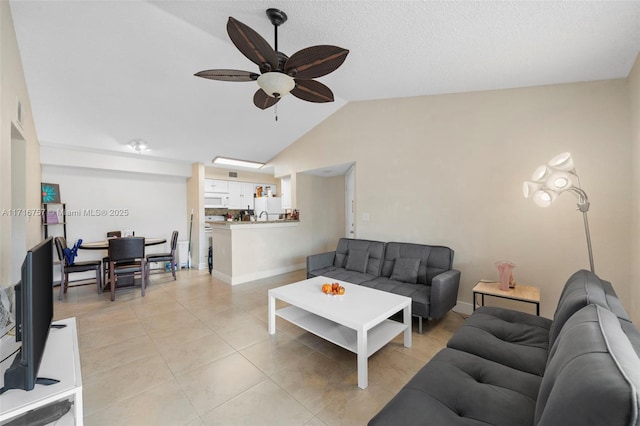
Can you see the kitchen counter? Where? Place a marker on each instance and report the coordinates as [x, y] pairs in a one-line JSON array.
[[251, 225], [247, 251]]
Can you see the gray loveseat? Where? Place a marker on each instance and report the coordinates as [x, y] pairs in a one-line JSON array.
[[419, 271], [504, 367]]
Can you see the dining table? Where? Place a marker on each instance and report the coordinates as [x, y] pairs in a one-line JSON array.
[[104, 244]]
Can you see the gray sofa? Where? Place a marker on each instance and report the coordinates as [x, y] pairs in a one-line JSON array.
[[422, 272], [504, 367]]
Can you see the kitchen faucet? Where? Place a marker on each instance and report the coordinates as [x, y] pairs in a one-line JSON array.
[[265, 212]]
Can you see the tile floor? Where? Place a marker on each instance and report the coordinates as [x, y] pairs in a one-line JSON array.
[[196, 352]]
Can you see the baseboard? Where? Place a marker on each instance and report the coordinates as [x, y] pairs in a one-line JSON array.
[[258, 275], [222, 277], [463, 308]]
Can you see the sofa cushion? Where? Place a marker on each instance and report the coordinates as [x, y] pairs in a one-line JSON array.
[[515, 339], [357, 260], [457, 388], [352, 277], [406, 270], [590, 353], [374, 248], [582, 288], [615, 305], [433, 259], [420, 294]]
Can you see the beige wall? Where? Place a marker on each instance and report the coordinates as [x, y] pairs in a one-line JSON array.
[[634, 282], [12, 88], [449, 169], [243, 176]]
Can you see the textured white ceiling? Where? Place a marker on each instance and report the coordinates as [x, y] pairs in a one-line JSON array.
[[101, 73]]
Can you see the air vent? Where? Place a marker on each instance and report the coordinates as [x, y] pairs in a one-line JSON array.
[[233, 174]]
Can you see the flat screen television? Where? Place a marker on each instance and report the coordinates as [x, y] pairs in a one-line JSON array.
[[34, 313]]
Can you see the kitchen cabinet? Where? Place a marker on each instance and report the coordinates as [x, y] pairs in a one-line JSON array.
[[216, 185], [241, 195]]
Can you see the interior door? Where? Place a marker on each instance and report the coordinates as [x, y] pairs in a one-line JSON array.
[[350, 203]]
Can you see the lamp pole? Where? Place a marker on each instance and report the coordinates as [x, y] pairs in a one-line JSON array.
[[583, 206]]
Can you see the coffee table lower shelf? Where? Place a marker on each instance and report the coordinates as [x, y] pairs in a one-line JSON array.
[[340, 335]]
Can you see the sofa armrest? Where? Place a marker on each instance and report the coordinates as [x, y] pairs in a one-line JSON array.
[[318, 261], [444, 292]]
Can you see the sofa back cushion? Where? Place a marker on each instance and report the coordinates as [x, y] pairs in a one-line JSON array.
[[433, 259], [582, 288], [593, 374], [374, 248]]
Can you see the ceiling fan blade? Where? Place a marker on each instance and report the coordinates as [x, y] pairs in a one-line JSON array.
[[315, 61], [264, 101], [312, 91], [252, 45], [228, 75]]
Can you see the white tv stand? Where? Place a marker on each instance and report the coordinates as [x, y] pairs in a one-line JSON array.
[[61, 361]]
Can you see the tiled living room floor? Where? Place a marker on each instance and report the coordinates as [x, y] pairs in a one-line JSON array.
[[196, 352]]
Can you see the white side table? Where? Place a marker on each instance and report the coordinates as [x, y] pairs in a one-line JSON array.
[[61, 361]]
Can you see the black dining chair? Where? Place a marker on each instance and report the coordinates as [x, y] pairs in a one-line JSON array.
[[165, 257], [66, 269], [105, 260], [126, 258]]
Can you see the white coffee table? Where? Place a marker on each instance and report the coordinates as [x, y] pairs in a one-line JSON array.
[[357, 321]]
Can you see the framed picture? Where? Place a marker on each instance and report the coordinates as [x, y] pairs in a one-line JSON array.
[[50, 192]]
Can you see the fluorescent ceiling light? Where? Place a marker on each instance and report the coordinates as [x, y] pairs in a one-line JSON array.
[[237, 163]]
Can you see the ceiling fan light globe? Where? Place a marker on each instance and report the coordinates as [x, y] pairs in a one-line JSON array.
[[276, 84]]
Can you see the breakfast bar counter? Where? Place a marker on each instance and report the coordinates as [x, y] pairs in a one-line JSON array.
[[247, 251]]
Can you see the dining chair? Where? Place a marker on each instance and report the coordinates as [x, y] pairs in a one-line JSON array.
[[165, 257], [105, 260], [126, 257], [66, 268]]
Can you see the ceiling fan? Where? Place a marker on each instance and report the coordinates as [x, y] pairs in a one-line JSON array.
[[279, 73]]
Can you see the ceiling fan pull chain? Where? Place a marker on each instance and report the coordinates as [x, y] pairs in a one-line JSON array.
[[275, 110]]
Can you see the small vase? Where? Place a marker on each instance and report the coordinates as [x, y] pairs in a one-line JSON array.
[[505, 272]]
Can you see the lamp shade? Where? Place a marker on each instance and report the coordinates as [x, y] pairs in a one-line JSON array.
[[559, 181], [544, 197], [540, 174], [562, 162], [529, 188], [276, 84]]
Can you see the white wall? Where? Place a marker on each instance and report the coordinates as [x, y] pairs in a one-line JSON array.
[[156, 204], [634, 282], [13, 88], [448, 170]]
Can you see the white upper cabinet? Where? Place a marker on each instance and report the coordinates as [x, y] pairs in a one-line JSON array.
[[216, 185], [241, 195]]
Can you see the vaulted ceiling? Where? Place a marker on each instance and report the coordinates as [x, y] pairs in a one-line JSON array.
[[101, 73]]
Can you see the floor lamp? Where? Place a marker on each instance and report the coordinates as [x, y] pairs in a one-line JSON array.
[[548, 182]]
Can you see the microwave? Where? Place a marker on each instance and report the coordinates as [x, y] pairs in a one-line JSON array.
[[213, 200]]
